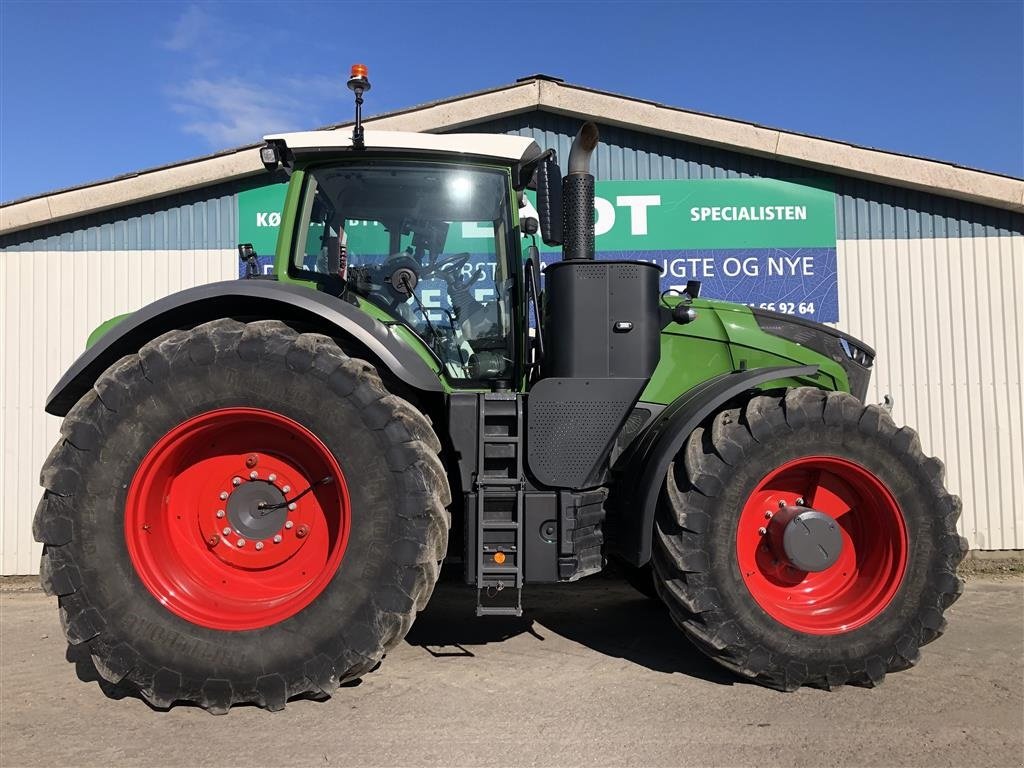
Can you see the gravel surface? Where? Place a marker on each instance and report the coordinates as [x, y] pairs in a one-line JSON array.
[[595, 675]]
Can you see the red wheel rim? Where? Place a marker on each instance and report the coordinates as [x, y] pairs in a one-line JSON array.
[[201, 542], [870, 566]]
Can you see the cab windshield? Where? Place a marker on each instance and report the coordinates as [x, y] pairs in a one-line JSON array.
[[427, 243]]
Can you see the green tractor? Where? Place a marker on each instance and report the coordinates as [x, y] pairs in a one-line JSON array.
[[257, 481]]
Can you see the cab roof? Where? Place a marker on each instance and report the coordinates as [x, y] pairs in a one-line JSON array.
[[515, 149]]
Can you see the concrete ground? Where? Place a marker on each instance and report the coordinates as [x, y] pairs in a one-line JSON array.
[[596, 675]]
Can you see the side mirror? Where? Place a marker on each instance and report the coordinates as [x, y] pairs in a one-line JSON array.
[[247, 255], [549, 200]]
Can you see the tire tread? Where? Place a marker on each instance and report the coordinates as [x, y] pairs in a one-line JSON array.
[[681, 560], [412, 458]]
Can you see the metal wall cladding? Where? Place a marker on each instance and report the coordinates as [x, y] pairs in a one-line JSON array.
[[49, 303], [201, 219], [864, 210], [945, 316]]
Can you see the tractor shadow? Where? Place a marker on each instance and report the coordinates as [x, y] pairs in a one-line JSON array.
[[601, 612]]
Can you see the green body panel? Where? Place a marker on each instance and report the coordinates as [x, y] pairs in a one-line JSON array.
[[405, 334], [725, 337], [101, 330], [282, 254]]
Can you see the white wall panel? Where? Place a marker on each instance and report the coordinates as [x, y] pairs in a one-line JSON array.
[[49, 303], [945, 316]]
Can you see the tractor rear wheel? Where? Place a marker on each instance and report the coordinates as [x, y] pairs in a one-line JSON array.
[[241, 513], [804, 539]]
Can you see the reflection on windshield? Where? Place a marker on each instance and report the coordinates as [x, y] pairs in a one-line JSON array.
[[426, 243]]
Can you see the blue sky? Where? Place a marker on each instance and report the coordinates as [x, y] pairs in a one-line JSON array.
[[89, 90]]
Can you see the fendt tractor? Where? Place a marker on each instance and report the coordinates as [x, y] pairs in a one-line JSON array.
[[258, 480]]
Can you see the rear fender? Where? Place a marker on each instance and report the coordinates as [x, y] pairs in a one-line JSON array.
[[244, 300]]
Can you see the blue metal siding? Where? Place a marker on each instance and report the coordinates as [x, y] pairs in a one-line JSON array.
[[626, 155], [197, 220], [207, 218], [864, 210]]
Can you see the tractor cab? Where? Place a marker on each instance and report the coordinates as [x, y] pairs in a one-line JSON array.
[[421, 230]]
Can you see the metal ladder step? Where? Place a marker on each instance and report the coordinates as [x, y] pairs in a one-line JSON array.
[[499, 486], [497, 610]]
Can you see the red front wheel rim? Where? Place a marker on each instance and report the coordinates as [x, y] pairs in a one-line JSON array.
[[871, 564], [213, 527]]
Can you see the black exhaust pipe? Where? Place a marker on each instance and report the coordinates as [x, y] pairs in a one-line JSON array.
[[578, 197]]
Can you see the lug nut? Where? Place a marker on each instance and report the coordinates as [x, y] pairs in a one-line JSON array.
[[240, 543], [220, 513], [277, 538], [800, 502], [253, 475], [288, 524], [302, 531], [782, 504], [259, 545], [226, 530], [223, 495], [767, 514], [762, 531], [250, 460], [292, 506], [286, 489], [272, 477], [236, 481]]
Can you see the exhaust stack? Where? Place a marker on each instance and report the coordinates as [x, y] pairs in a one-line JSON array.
[[578, 197]]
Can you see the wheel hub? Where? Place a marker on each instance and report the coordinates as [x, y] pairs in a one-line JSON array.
[[808, 539], [256, 510], [246, 518]]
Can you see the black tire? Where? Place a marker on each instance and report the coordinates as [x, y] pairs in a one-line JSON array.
[[399, 530], [695, 551]]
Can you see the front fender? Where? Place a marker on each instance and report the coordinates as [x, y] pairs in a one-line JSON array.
[[641, 471], [244, 300]]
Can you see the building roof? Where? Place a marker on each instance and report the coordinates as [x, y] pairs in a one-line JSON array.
[[541, 92], [496, 145]]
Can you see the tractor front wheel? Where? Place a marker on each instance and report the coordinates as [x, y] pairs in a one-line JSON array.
[[805, 540], [241, 513]]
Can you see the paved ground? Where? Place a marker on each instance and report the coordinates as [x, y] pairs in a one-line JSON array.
[[596, 676]]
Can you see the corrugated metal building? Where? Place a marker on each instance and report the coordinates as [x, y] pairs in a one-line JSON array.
[[930, 261]]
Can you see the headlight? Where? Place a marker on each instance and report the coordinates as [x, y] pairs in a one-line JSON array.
[[854, 355]]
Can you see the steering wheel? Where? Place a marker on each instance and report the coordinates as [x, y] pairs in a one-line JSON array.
[[449, 266]]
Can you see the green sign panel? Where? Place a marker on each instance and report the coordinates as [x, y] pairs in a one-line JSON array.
[[762, 242], [259, 217], [719, 213], [629, 216]]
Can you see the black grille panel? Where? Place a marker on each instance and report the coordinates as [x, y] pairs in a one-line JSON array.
[[571, 425]]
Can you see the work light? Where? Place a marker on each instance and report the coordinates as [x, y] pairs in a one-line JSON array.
[[269, 156]]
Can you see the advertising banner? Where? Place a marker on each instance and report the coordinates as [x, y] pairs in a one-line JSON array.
[[762, 242]]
